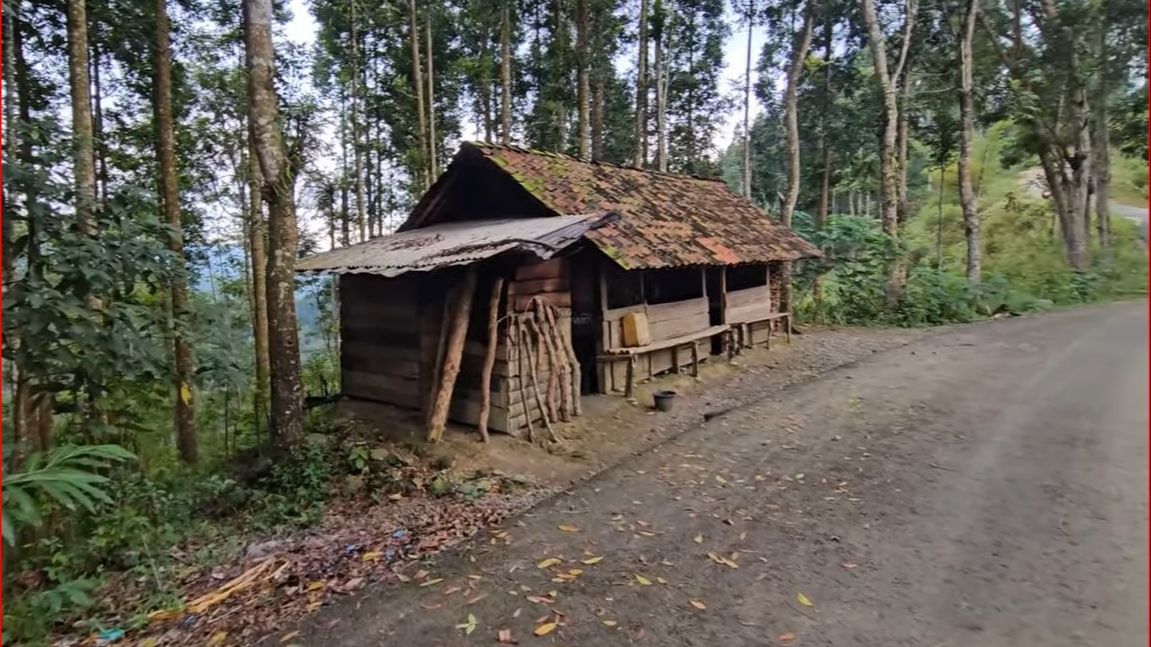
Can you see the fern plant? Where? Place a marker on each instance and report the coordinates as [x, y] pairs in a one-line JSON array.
[[67, 475]]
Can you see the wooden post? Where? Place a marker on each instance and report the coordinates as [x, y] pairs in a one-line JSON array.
[[770, 327], [787, 324], [694, 359], [490, 355], [675, 360], [452, 355], [629, 385], [575, 374]]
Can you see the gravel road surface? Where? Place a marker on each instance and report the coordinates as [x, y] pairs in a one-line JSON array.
[[983, 485]]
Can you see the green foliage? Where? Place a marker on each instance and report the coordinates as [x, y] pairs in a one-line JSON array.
[[66, 476]]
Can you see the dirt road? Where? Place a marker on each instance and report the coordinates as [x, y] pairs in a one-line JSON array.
[[986, 485]]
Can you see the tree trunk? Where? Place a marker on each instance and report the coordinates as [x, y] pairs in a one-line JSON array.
[[597, 109], [1101, 149], [660, 90], [433, 159], [100, 144], [824, 147], [640, 132], [791, 108], [82, 140], [966, 136], [490, 355], [583, 89], [278, 180], [903, 206], [747, 105], [888, 163], [18, 377], [418, 85], [505, 74], [357, 127], [258, 248], [169, 190], [451, 351]]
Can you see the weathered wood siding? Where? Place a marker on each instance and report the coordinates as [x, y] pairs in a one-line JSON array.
[[380, 339], [511, 392], [665, 321]]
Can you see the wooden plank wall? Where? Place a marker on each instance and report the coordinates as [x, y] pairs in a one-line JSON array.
[[665, 321], [380, 339], [548, 280]]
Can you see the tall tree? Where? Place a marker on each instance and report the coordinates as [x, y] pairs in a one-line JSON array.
[[658, 32], [505, 72], [801, 43], [169, 191], [966, 136], [433, 160], [83, 153], [257, 231], [583, 82], [746, 183], [418, 85], [357, 126], [824, 122], [278, 175], [888, 159], [641, 74]]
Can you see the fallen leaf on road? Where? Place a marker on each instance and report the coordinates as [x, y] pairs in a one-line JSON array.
[[720, 478], [642, 580], [698, 539], [549, 562], [848, 565], [660, 580], [217, 638], [372, 556], [453, 589], [609, 623], [288, 636], [516, 613], [545, 629], [787, 637], [505, 637], [722, 560], [469, 625], [803, 599], [697, 604], [432, 581], [475, 599], [568, 528], [592, 560]]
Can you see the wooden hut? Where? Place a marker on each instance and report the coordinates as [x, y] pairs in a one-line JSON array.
[[524, 279]]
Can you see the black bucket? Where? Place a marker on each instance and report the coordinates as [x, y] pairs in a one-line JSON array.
[[663, 400]]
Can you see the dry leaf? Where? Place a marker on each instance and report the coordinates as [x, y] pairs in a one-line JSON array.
[[575, 572], [372, 556], [642, 580], [517, 612], [504, 636], [787, 637], [217, 638], [453, 589], [475, 599], [420, 574], [545, 629], [609, 623], [720, 478], [660, 580], [316, 585], [288, 636], [469, 625], [848, 565], [549, 562], [698, 539], [568, 528], [592, 560], [803, 599], [432, 581], [697, 604]]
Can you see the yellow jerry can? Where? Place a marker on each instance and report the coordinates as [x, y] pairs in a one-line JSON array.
[[635, 330]]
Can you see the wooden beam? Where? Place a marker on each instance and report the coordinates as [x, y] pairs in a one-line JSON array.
[[490, 355], [452, 354]]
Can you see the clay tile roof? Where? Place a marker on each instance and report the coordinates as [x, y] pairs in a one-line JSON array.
[[665, 220]]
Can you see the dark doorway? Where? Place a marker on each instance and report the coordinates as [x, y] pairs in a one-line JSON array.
[[585, 291], [716, 291]]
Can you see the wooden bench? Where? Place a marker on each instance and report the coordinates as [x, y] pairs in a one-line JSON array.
[[675, 343], [741, 332]]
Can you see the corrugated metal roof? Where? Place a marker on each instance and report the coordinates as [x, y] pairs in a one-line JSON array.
[[454, 243], [666, 220]]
